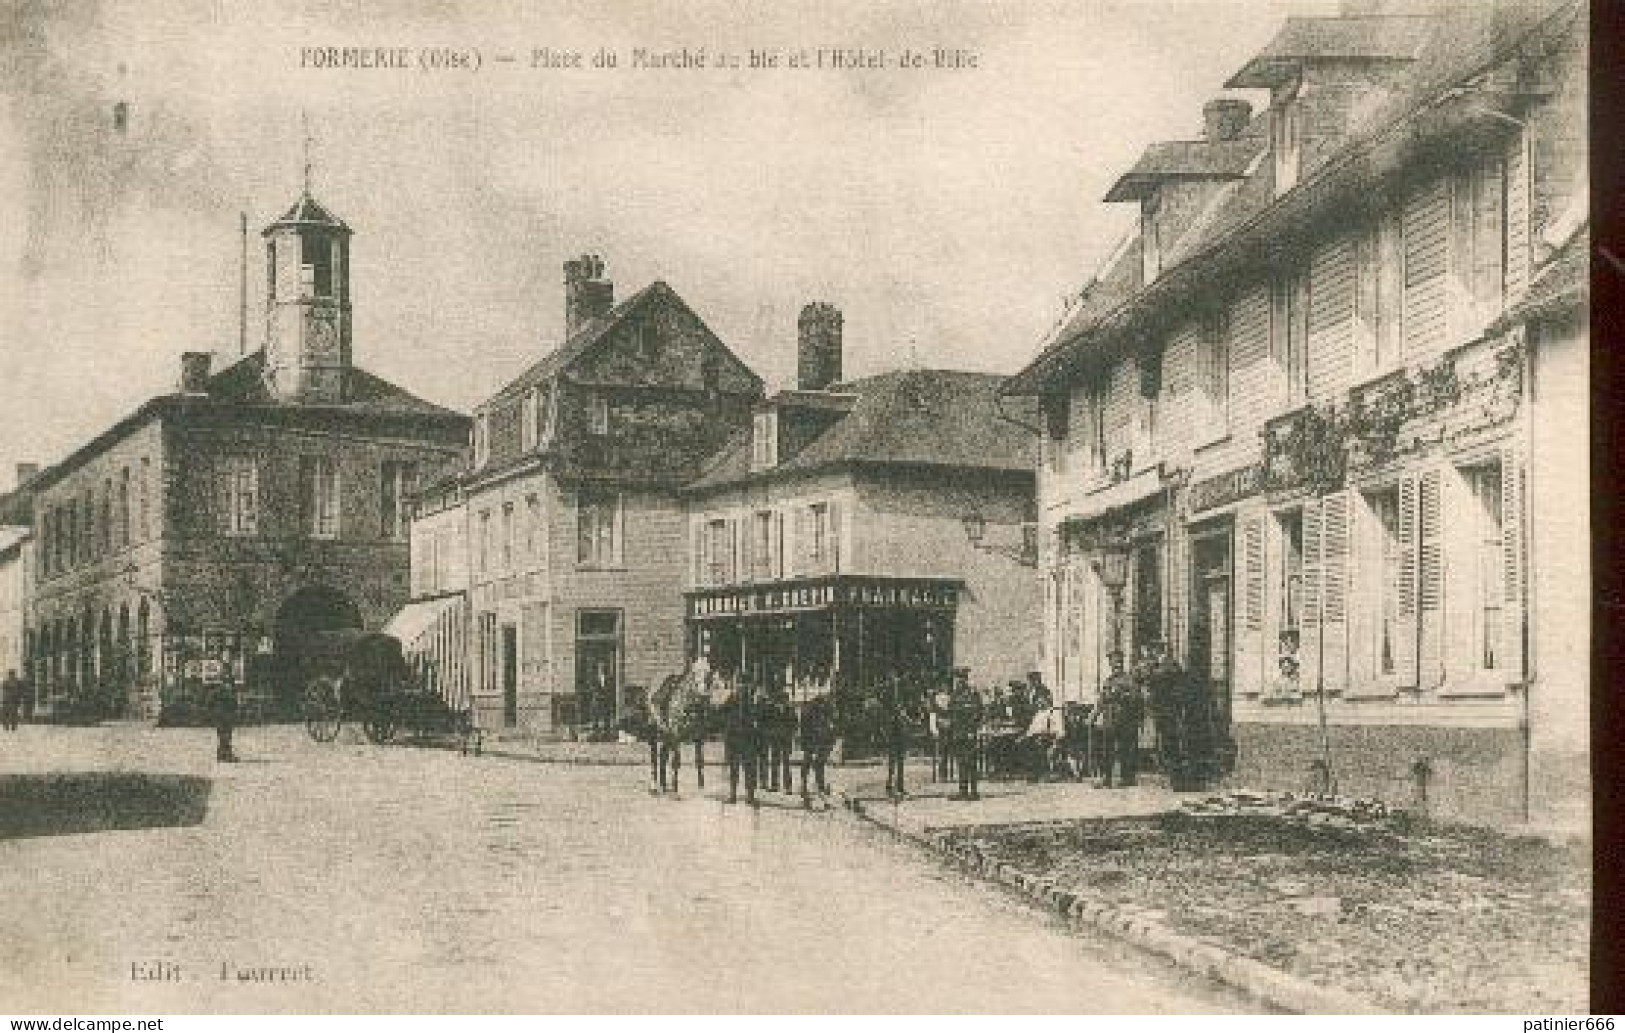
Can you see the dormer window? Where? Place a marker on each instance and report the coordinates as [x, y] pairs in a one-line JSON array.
[[1150, 244], [764, 452], [1286, 136], [482, 438]]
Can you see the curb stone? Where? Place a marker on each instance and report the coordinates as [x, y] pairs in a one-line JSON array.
[[1273, 986]]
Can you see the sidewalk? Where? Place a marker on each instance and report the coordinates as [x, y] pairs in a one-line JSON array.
[[1307, 911]]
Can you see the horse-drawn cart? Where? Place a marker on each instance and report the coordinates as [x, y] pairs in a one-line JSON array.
[[362, 677]]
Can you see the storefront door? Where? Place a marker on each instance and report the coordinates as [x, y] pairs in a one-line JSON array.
[[1210, 631], [598, 666]]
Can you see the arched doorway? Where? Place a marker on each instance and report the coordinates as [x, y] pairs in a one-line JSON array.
[[302, 635]]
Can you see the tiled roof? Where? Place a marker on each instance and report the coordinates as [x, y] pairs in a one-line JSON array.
[[1563, 281], [1459, 47], [1311, 39], [1176, 159], [579, 342], [243, 383], [943, 418], [307, 211]]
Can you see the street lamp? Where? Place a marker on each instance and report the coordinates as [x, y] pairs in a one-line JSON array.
[[1112, 567], [976, 533]]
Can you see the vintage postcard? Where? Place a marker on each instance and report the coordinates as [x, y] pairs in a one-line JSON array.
[[933, 507]]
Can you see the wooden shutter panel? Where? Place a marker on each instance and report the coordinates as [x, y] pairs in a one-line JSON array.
[[698, 553], [1517, 217], [1331, 317], [736, 551], [1489, 252], [1334, 573], [1309, 646], [1249, 659], [778, 543], [1460, 292], [1425, 226], [1364, 598], [1406, 624], [1430, 581], [1460, 548], [1513, 566], [833, 563]]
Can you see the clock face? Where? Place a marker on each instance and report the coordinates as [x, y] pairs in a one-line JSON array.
[[323, 333]]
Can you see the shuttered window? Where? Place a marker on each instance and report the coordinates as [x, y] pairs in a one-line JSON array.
[[1249, 673], [1425, 225], [1288, 334], [1430, 580], [1330, 320]]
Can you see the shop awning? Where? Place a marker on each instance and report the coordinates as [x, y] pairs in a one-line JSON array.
[[414, 619], [1121, 495]]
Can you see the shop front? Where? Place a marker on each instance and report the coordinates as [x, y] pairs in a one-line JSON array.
[[847, 632]]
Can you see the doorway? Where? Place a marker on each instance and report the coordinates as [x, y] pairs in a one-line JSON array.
[[598, 667], [1147, 617], [1210, 636], [510, 676]]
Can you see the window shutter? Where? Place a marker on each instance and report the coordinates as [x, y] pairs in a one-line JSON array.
[[1462, 193], [1517, 217], [1334, 571], [617, 544], [1513, 566], [1249, 673], [1430, 581], [1366, 324], [1489, 243], [1309, 645], [833, 563], [778, 544], [1331, 317], [1406, 629], [1365, 598], [1425, 226], [1460, 550], [747, 563]]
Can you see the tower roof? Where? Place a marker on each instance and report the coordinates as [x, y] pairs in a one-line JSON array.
[[307, 211]]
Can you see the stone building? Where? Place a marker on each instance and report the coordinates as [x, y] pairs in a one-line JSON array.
[[1320, 420], [566, 529], [239, 516], [865, 528]]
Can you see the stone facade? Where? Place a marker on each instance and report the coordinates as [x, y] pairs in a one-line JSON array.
[[236, 518]]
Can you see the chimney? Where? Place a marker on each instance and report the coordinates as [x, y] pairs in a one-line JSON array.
[[195, 372], [1225, 118], [587, 295], [26, 472], [818, 351]]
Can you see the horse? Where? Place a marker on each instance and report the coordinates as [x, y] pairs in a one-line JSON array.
[[681, 713]]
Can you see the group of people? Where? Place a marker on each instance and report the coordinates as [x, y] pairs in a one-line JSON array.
[[12, 692], [1181, 713]]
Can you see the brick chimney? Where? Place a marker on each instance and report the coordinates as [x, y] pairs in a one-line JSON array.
[[1225, 118], [26, 472], [195, 372], [818, 346], [587, 295]]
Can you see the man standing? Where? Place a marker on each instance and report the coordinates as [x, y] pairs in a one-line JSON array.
[[739, 740], [1163, 692], [896, 709], [1121, 712], [11, 701], [817, 739], [966, 712], [223, 704]]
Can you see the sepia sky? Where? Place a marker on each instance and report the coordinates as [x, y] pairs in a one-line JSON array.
[[948, 214]]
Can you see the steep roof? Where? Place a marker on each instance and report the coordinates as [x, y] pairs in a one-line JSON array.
[[925, 417], [307, 211], [243, 383], [1246, 215], [1185, 159], [1386, 38], [584, 340]]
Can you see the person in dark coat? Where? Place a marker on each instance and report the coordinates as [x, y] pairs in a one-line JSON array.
[[739, 739], [11, 701], [817, 740], [1121, 712], [965, 714], [778, 719], [223, 709], [1163, 689], [897, 723]]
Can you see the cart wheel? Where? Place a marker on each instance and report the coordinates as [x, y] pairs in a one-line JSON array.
[[379, 730], [322, 715]]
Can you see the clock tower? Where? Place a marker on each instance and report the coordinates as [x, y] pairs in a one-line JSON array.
[[307, 332]]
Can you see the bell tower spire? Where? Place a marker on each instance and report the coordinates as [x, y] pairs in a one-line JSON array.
[[307, 302]]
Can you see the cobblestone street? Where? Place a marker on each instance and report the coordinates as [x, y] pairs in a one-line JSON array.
[[417, 879]]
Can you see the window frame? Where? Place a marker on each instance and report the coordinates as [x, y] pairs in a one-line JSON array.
[[605, 509], [240, 506]]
